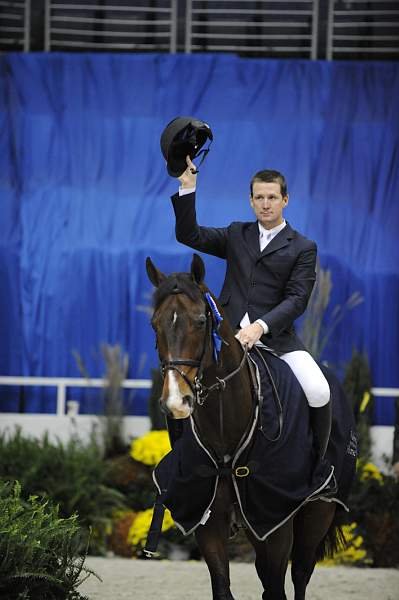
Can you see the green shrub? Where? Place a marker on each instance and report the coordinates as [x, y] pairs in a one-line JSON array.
[[39, 550], [73, 475], [374, 504]]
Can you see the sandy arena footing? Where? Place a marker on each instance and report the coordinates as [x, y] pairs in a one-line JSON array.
[[127, 579]]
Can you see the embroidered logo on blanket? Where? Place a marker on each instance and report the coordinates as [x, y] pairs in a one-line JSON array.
[[352, 444]]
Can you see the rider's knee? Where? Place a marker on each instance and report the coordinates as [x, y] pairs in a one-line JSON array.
[[318, 392]]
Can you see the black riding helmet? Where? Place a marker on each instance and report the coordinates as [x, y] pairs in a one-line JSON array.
[[181, 137]]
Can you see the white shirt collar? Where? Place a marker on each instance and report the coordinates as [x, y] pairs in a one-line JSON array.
[[271, 232]]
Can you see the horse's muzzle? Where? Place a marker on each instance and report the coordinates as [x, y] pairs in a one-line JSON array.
[[189, 400], [165, 409], [178, 412]]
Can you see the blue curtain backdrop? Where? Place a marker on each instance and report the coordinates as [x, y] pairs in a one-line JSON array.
[[84, 197]]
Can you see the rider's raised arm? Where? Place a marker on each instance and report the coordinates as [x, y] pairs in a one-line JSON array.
[[211, 240]]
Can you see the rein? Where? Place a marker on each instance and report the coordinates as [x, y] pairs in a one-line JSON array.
[[220, 385]]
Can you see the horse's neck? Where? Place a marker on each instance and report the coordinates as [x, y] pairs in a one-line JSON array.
[[233, 406]]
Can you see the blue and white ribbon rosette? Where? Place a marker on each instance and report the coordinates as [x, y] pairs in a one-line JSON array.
[[217, 318]]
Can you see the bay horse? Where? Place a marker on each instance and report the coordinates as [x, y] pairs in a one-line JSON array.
[[181, 322]]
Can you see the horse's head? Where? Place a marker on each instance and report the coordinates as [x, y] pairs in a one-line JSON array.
[[181, 321]]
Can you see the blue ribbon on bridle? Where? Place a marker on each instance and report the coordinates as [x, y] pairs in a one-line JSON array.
[[216, 320]]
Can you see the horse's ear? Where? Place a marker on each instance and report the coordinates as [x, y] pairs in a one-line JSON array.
[[197, 269], [154, 274]]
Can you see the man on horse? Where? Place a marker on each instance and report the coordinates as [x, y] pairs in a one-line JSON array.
[[270, 275]]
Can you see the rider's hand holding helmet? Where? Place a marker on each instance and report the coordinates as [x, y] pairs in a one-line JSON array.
[[188, 178]]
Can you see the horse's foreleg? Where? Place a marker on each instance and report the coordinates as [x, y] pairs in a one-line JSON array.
[[311, 526], [272, 561], [212, 540], [214, 550]]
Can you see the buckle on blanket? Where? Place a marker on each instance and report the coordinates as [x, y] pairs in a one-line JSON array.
[[241, 472]]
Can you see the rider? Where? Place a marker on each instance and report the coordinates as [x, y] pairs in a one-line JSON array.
[[269, 278]]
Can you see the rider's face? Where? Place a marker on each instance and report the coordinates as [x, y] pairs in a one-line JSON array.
[[268, 203]]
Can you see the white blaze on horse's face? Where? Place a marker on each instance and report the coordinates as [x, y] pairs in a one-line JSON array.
[[174, 401], [181, 328]]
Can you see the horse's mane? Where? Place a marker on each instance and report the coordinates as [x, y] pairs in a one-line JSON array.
[[177, 283]]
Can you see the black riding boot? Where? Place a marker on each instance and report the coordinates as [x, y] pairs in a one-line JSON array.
[[320, 421]]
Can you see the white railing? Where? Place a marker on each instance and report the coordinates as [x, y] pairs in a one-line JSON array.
[[15, 24], [135, 26], [385, 392], [62, 383], [271, 28], [365, 28]]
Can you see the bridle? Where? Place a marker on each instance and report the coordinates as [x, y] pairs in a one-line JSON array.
[[199, 390]]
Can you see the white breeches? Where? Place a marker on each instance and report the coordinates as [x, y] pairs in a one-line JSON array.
[[310, 377]]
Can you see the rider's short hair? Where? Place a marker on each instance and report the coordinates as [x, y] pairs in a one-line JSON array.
[[270, 176]]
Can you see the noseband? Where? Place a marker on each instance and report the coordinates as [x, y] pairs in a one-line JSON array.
[[173, 365], [199, 391]]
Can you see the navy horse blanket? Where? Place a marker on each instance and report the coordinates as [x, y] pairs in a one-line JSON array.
[[272, 471]]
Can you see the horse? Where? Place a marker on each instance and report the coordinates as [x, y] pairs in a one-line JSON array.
[[218, 396]]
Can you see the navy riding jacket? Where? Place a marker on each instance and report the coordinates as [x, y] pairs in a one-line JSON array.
[[273, 285]]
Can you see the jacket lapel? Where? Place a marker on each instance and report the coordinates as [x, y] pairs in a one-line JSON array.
[[251, 239], [282, 239]]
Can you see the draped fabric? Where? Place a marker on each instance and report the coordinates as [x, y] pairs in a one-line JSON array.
[[84, 198], [277, 455]]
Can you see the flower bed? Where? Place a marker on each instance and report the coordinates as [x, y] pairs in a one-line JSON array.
[[114, 499]]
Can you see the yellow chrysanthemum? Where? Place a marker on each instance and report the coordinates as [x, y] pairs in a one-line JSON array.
[[370, 471], [138, 531], [151, 447]]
